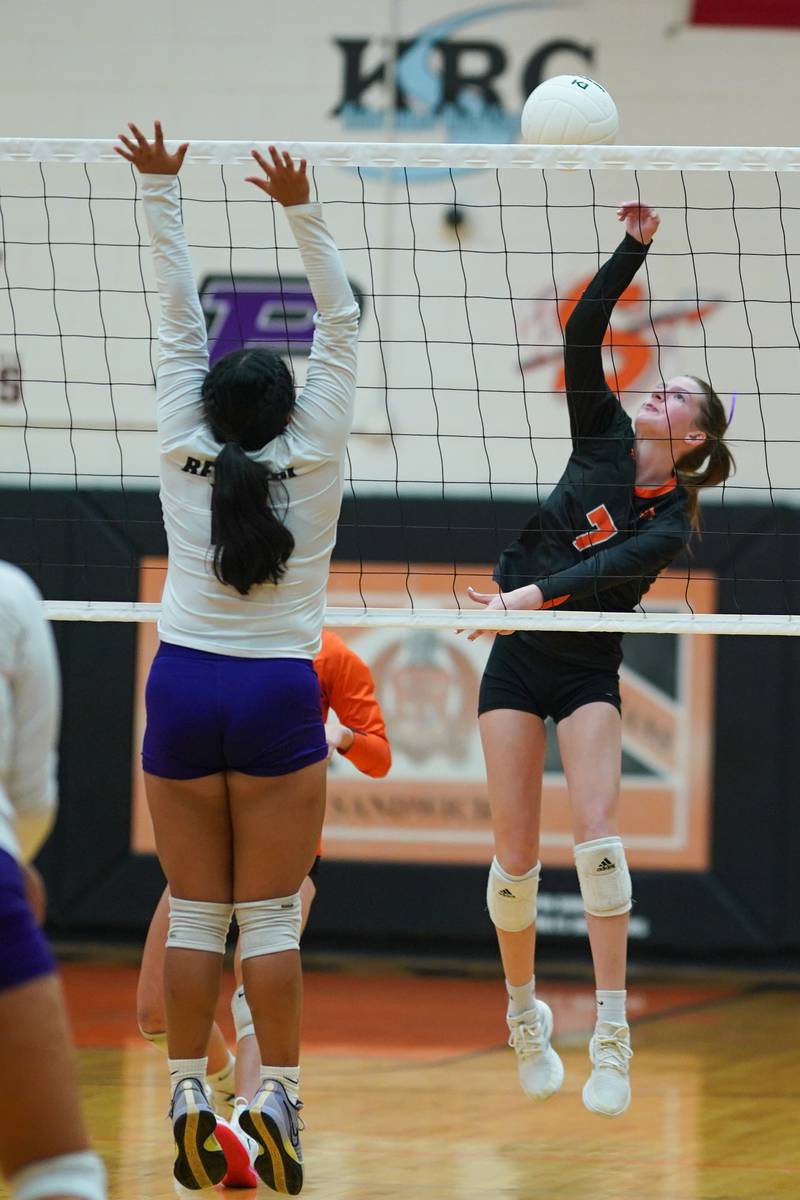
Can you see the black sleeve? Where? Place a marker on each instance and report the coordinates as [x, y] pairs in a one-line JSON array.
[[592, 404], [642, 556]]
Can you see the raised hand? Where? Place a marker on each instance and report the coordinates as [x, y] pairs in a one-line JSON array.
[[284, 182], [641, 222], [151, 158]]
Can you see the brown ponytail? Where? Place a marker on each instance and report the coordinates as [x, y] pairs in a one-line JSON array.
[[711, 462]]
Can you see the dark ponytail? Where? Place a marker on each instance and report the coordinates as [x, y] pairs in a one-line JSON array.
[[247, 399], [711, 462], [251, 543]]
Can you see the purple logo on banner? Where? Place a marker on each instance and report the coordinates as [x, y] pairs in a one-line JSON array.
[[257, 310]]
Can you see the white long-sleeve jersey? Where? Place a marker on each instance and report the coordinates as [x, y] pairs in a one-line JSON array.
[[272, 621], [30, 702]]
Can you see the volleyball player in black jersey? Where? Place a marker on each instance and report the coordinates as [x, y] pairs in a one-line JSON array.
[[623, 509]]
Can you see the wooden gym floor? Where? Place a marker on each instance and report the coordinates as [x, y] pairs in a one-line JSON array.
[[411, 1094]]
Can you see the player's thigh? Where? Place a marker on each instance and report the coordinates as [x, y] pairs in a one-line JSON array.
[[514, 745], [37, 1065], [150, 987], [277, 822], [192, 826], [590, 741]]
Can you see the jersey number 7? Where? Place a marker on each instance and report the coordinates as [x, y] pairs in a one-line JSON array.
[[603, 528]]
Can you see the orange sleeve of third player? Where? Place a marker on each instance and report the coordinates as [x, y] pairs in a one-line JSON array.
[[348, 685]]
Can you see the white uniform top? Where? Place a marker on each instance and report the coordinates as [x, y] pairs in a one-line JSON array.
[[281, 620], [29, 716]]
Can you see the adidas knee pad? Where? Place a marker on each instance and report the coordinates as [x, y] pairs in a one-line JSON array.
[[511, 899], [242, 1017], [604, 877], [269, 926], [81, 1174], [159, 1040], [198, 925]]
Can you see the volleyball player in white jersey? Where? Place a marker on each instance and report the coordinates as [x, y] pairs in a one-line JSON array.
[[44, 1151], [234, 750]]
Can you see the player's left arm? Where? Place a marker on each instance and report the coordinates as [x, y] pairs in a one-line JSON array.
[[644, 555], [182, 337], [351, 693]]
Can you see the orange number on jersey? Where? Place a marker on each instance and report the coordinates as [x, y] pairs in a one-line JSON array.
[[603, 528]]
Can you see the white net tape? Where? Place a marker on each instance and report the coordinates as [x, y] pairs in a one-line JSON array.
[[419, 618], [431, 155]]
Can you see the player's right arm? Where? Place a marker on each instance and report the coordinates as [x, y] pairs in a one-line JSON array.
[[592, 403], [323, 414], [182, 339]]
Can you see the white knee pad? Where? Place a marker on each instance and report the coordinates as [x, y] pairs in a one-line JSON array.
[[198, 925], [242, 1017], [269, 926], [511, 899], [81, 1174], [159, 1040], [604, 877]]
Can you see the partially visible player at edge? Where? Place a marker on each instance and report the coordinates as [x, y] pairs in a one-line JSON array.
[[234, 749], [359, 734], [44, 1151], [621, 512]]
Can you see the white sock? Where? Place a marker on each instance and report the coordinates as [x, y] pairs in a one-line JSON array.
[[611, 1007], [288, 1076], [78, 1174], [520, 998], [224, 1080], [187, 1068]]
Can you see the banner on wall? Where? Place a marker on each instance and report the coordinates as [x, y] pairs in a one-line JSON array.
[[764, 13], [433, 806]]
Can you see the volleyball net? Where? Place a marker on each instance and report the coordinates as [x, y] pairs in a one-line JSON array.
[[467, 261]]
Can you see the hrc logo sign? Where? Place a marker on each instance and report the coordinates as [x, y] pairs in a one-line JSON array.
[[259, 310]]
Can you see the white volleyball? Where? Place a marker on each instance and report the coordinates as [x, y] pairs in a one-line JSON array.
[[569, 110]]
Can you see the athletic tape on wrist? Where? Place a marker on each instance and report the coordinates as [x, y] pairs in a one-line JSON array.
[[604, 877]]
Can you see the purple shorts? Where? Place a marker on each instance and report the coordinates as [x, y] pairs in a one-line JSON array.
[[26, 954], [208, 713]]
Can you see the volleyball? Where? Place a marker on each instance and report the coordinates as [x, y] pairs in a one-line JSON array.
[[569, 110]]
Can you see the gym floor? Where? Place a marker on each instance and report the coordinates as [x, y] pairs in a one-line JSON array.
[[410, 1091]]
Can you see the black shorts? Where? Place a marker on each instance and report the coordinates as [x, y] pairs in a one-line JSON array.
[[523, 677]]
